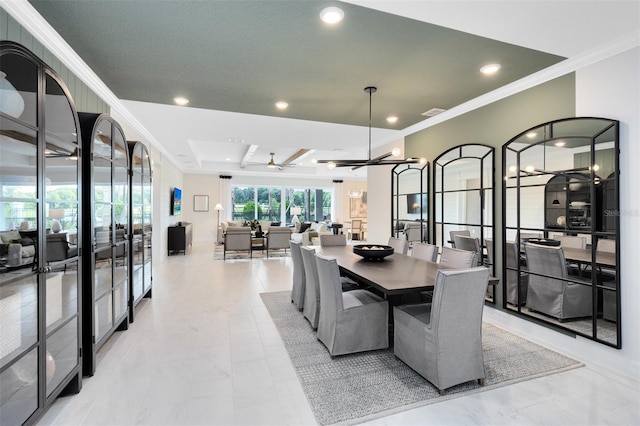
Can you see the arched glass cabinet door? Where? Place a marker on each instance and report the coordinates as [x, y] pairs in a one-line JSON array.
[[464, 199], [141, 267], [39, 217], [410, 202], [561, 205], [106, 233]]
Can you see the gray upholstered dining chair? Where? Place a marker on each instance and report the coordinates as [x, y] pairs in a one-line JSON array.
[[457, 258], [442, 340], [333, 240], [571, 241], [237, 238], [549, 291], [311, 305], [299, 278], [278, 238], [352, 321], [468, 243], [425, 251], [452, 235], [399, 246]]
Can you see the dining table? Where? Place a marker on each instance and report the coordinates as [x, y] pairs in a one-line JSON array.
[[585, 256], [399, 278]]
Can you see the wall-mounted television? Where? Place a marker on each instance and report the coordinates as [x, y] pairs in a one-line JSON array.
[[176, 201], [415, 202]]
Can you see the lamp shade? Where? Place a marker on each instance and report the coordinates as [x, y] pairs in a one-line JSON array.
[[218, 207], [296, 210]]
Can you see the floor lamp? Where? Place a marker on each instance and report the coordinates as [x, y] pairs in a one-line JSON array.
[[218, 208]]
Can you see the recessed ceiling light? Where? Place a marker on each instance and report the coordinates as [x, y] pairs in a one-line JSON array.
[[331, 15], [281, 105], [392, 119], [490, 69], [395, 151], [560, 143], [180, 100], [532, 135]]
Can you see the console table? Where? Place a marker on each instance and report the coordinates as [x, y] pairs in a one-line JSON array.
[[180, 237]]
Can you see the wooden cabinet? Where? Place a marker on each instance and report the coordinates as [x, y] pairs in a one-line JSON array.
[[105, 197], [141, 274], [40, 312], [179, 238]]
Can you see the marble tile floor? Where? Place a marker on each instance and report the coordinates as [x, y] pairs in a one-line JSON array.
[[204, 351]]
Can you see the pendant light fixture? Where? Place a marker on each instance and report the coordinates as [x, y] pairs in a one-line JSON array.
[[377, 161]]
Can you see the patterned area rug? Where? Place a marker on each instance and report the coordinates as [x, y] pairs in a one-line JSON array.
[[354, 388]]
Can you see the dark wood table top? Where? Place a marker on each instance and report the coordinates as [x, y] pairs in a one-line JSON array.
[[395, 274]]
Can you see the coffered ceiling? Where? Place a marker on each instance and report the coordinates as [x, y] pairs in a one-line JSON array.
[[234, 59]]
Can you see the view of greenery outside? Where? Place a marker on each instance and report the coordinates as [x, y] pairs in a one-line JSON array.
[[265, 203], [14, 212]]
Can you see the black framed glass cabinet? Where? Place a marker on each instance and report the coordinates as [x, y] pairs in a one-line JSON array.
[[39, 225], [561, 216], [106, 237], [141, 226], [463, 180], [410, 202]]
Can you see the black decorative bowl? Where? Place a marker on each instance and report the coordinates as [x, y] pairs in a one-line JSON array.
[[372, 251]]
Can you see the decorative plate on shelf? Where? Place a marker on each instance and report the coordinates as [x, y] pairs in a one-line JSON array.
[[373, 251]]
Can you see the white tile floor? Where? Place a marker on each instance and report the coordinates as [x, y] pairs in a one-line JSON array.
[[205, 351]]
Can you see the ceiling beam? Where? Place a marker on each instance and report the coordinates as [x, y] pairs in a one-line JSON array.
[[247, 155]]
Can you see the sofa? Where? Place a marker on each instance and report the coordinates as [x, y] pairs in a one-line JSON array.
[[225, 224], [305, 232]]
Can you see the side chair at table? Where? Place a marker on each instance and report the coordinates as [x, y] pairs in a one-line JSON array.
[[442, 340], [339, 240], [425, 251], [299, 278], [349, 322], [311, 309], [399, 246], [457, 258]]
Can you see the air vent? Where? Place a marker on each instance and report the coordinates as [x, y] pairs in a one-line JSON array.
[[432, 112]]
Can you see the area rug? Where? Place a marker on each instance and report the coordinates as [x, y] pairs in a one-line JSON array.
[[355, 388]]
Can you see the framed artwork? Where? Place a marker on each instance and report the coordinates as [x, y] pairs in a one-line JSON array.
[[200, 203], [358, 206]]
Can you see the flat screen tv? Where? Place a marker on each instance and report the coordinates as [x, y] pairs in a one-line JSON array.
[[415, 202], [176, 201]]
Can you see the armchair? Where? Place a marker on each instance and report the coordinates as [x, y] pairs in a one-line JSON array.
[[278, 238], [237, 238]]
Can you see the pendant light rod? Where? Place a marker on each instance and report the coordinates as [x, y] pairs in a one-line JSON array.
[[381, 159], [370, 90]]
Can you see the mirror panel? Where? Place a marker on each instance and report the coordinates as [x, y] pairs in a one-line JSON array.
[[561, 205], [410, 202]]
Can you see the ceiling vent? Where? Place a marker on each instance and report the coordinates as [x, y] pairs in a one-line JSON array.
[[432, 112]]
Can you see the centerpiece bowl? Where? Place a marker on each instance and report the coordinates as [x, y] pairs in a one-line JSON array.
[[372, 251]]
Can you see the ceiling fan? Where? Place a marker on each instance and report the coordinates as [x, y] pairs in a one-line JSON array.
[[272, 164]]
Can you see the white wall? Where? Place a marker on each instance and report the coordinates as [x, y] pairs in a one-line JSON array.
[[379, 202], [609, 89], [166, 176], [204, 223]]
